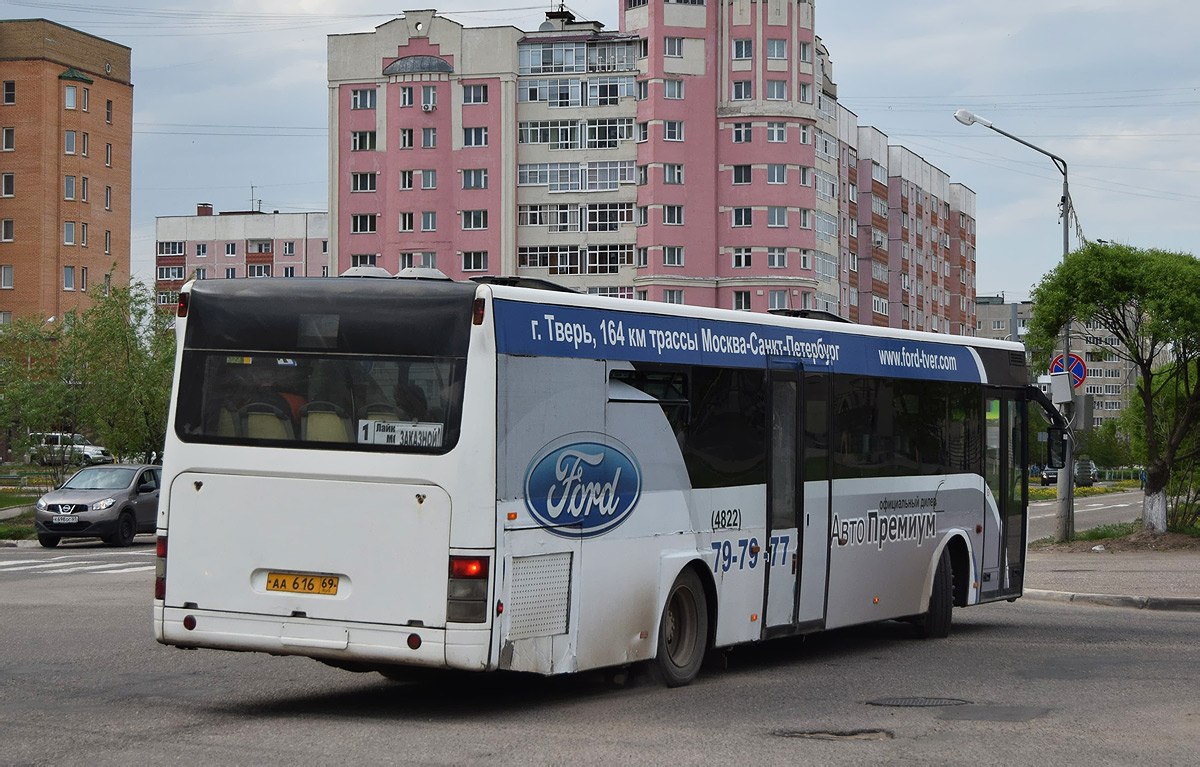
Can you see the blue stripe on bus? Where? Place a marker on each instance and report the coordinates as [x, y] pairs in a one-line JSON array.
[[550, 330]]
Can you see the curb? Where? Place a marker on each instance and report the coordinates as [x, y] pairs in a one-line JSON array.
[[1176, 604]]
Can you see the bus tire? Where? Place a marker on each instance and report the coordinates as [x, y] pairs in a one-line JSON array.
[[935, 623], [682, 631]]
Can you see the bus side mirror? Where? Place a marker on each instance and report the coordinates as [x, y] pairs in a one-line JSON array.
[[1057, 445]]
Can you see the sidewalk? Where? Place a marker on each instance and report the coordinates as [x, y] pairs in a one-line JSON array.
[[1161, 580]]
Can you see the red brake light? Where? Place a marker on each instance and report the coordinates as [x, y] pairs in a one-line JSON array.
[[468, 567], [160, 546], [181, 311], [477, 311]]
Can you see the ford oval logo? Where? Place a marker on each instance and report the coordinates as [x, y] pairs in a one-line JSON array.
[[582, 489]]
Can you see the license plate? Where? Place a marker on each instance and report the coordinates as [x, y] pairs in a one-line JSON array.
[[302, 583], [64, 519]]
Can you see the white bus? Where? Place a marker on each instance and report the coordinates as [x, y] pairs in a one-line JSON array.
[[392, 473]]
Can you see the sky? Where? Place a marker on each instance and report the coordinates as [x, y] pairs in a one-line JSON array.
[[230, 106]]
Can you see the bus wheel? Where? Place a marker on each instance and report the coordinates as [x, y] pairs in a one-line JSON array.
[[683, 631], [935, 624]]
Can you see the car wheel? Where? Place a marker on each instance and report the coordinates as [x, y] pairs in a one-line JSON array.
[[49, 541], [683, 631], [126, 530]]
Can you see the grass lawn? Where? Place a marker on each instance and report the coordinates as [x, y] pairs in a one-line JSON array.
[[19, 528]]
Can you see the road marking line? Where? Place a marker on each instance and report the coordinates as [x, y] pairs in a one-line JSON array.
[[138, 569], [96, 568], [46, 566]]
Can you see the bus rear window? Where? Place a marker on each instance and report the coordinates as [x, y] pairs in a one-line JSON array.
[[321, 401]]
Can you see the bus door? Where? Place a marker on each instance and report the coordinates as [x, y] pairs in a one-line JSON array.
[[1004, 520], [797, 521]]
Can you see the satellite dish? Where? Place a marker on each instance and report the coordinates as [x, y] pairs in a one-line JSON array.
[[547, 26]]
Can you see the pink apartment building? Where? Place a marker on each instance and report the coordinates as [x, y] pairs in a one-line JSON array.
[[235, 244], [697, 155]]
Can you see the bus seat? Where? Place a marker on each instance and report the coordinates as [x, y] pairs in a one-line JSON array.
[[381, 411], [263, 421], [226, 423], [324, 422]]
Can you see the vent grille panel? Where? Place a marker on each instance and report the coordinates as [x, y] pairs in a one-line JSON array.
[[539, 596]]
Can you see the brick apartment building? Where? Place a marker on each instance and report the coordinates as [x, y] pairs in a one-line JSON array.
[[66, 116], [698, 155]]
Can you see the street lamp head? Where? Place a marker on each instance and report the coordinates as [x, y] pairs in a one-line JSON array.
[[967, 117]]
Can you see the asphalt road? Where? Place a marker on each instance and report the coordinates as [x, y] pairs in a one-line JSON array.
[[1089, 512], [83, 682]]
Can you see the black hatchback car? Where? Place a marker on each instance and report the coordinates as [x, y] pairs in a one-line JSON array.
[[113, 503]]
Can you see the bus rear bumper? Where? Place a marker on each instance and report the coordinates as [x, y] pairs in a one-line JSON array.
[[349, 642]]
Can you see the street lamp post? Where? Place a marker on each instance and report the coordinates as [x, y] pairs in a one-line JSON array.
[[1066, 485]]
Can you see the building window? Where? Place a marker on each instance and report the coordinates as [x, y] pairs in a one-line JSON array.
[[362, 223], [69, 96], [406, 96], [428, 96], [230, 272], [362, 182], [363, 259], [776, 90], [406, 138], [108, 198], [805, 51], [83, 188], [8, 139], [673, 89], [201, 250], [258, 270], [474, 219], [776, 132], [429, 221], [776, 258], [743, 217], [641, 257], [107, 241], [475, 261], [742, 90], [776, 215], [429, 138], [475, 94], [673, 130], [170, 272], [201, 273], [673, 255], [673, 215], [741, 133], [475, 137], [406, 179], [673, 296], [362, 98], [107, 153], [776, 173], [362, 141], [743, 50], [429, 179], [108, 111], [83, 146], [643, 132], [406, 221], [6, 276], [83, 234], [68, 278], [673, 47], [741, 258], [741, 300], [8, 184], [672, 173], [10, 91], [741, 174], [777, 49], [289, 248], [475, 178], [231, 248], [6, 230], [69, 142], [68, 233]]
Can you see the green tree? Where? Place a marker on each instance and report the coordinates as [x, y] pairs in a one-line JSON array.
[[1149, 300], [105, 372]]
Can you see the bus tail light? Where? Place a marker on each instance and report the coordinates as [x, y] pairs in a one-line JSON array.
[[181, 310], [160, 567], [477, 311], [466, 595]]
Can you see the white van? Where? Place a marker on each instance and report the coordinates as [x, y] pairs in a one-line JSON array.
[[58, 447]]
